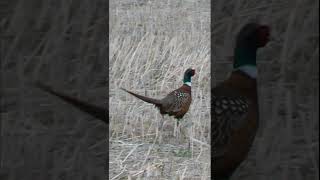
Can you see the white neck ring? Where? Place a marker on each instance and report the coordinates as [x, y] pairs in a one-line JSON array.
[[188, 83], [249, 70]]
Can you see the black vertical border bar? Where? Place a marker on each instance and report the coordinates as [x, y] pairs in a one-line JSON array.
[[1, 76], [211, 77], [107, 87]]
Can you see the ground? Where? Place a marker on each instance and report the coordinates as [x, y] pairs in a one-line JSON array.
[[152, 43]]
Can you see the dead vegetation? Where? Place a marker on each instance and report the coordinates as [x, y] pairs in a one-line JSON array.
[[152, 43]]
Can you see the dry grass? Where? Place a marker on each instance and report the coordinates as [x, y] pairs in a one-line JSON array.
[[152, 43]]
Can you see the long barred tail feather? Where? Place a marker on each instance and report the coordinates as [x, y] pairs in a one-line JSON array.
[[143, 98], [94, 110]]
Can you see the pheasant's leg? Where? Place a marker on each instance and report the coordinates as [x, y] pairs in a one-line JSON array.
[[182, 130], [160, 128], [161, 122], [188, 137], [177, 130]]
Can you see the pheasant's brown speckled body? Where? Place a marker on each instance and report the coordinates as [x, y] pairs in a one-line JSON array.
[[235, 122], [235, 105]]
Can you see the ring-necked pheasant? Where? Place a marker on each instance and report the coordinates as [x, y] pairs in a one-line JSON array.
[[177, 102], [235, 104]]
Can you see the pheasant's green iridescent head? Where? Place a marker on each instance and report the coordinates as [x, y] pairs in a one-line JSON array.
[[251, 37], [187, 76]]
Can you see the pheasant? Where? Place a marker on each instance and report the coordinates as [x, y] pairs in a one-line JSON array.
[[235, 104], [94, 110], [177, 102]]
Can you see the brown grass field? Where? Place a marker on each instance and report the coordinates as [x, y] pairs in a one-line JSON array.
[[152, 43], [286, 146]]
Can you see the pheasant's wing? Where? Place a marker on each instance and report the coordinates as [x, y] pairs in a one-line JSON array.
[[229, 112], [175, 102]]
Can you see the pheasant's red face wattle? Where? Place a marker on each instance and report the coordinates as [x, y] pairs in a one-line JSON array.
[[263, 35], [193, 72]]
